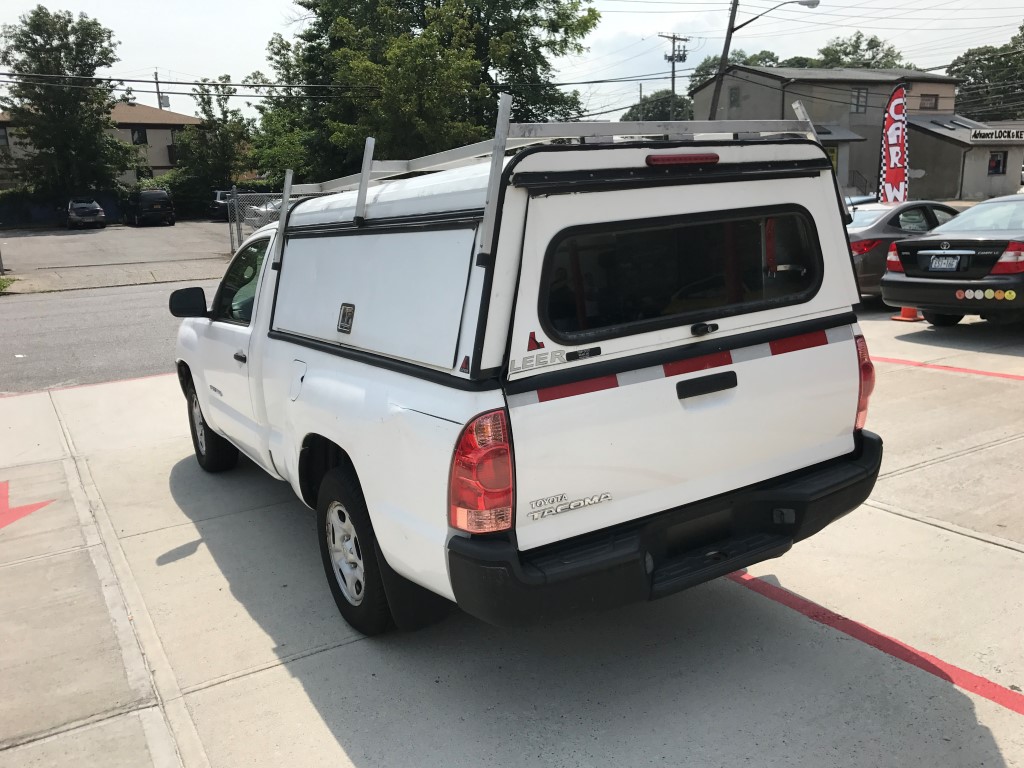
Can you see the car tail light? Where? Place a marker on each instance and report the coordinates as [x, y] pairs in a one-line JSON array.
[[867, 381], [1011, 262], [892, 260], [860, 247], [480, 493]]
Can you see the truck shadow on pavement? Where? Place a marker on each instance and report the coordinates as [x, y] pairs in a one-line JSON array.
[[716, 676]]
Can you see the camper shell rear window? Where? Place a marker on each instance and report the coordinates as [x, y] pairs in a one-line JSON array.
[[614, 279]]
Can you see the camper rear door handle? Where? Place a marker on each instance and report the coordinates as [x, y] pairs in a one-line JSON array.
[[240, 357], [703, 329]]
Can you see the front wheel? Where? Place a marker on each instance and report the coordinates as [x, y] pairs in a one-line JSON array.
[[941, 320], [213, 452], [348, 549]]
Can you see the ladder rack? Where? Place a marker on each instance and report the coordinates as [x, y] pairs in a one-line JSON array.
[[510, 135]]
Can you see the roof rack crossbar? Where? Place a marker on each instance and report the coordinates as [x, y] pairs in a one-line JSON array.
[[509, 135]]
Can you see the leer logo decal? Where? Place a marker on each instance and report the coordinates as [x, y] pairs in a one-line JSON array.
[[556, 505]]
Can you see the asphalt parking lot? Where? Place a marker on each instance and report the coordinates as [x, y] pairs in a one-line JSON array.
[[159, 616], [42, 260]]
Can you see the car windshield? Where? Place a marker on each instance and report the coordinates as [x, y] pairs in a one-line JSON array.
[[1002, 215], [865, 217]]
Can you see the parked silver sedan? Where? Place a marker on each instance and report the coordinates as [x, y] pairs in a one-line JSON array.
[[876, 225]]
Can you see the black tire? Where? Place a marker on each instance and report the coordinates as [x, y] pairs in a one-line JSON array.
[[213, 452], [344, 531], [941, 320]]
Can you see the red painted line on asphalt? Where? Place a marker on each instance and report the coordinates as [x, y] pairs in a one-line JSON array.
[[83, 386], [961, 678], [949, 368]]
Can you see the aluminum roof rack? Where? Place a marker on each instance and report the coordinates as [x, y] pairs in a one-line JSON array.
[[510, 135]]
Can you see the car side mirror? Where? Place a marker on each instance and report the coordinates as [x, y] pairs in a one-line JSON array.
[[188, 302]]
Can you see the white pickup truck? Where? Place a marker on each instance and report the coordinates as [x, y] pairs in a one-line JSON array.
[[581, 375]]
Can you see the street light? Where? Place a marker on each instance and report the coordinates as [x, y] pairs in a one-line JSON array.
[[724, 61]]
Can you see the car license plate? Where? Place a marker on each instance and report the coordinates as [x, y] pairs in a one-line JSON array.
[[156, 207], [944, 263]]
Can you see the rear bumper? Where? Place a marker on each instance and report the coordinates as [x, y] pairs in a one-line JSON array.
[[661, 554], [986, 295], [156, 215]]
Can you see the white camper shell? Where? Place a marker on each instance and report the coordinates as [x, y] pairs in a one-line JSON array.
[[584, 374]]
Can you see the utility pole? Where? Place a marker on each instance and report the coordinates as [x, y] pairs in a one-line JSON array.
[[159, 97], [724, 61], [674, 57], [640, 103]]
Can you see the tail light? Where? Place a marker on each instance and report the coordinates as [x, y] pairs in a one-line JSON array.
[[867, 381], [860, 247], [1011, 262], [480, 493], [892, 260]]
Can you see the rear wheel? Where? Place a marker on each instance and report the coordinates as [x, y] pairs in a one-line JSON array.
[[348, 549], [213, 452], [941, 320]]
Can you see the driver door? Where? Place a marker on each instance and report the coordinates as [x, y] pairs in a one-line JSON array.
[[226, 348]]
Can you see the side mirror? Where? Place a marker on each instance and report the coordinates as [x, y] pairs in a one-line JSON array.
[[188, 302]]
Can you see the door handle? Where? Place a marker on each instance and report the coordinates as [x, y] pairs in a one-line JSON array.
[[705, 385], [240, 357]]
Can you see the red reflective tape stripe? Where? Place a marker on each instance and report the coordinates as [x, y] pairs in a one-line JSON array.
[[795, 343], [961, 678], [577, 388], [949, 368], [701, 363]]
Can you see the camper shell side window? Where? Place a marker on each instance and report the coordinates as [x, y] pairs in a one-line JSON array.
[[608, 280]]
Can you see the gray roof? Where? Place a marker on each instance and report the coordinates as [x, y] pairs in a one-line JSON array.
[[841, 75], [946, 125], [832, 132]]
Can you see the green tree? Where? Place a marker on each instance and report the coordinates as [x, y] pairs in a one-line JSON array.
[[708, 67], [420, 75], [658, 105], [211, 154], [990, 76], [216, 150], [59, 111], [861, 52]]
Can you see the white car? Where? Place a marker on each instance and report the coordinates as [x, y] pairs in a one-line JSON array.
[[585, 375]]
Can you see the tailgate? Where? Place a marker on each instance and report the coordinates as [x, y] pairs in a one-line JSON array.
[[660, 358]]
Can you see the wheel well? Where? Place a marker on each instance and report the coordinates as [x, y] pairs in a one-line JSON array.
[[318, 456], [184, 377]]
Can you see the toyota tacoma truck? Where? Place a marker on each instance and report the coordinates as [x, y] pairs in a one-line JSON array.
[[548, 377]]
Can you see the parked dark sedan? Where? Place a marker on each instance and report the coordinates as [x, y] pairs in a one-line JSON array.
[[85, 212], [877, 225], [218, 208], [972, 265]]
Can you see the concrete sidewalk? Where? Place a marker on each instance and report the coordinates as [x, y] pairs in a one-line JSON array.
[[157, 615], [116, 275]]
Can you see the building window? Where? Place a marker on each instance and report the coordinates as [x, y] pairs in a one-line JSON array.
[[139, 136], [4, 141], [997, 163], [929, 101], [859, 100], [734, 96]]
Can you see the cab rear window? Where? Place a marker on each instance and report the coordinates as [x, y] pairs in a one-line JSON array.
[[611, 280]]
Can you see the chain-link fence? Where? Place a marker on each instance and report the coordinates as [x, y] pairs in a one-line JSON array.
[[248, 211]]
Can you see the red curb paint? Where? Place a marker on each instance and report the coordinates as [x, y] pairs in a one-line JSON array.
[[961, 678], [949, 368], [9, 514]]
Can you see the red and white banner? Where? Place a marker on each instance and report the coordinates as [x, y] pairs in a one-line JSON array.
[[894, 176]]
